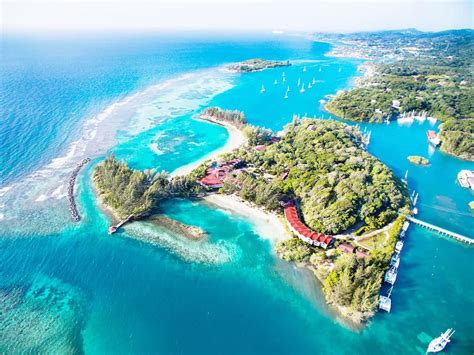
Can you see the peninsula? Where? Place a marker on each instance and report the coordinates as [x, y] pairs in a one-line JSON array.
[[253, 65], [316, 176]]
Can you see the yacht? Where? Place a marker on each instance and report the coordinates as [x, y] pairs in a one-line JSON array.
[[391, 275], [302, 88], [433, 138], [399, 246], [262, 90], [405, 226], [395, 260], [438, 344], [385, 303]]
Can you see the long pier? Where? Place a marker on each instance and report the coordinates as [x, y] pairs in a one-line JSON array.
[[76, 217], [429, 226]]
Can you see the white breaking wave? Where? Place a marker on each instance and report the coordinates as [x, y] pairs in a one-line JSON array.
[[31, 203]]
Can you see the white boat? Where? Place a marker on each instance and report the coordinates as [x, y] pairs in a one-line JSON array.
[[432, 120], [438, 344], [275, 82], [322, 101], [405, 178], [262, 90], [302, 88], [283, 74], [405, 119], [288, 88], [466, 178], [395, 260], [286, 95], [314, 81], [405, 226], [415, 211], [391, 275], [319, 69], [304, 69], [433, 138], [385, 303], [309, 86], [339, 70], [402, 234], [399, 246], [299, 82], [283, 80]]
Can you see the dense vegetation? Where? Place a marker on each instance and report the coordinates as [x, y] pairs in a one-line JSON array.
[[457, 137], [128, 191], [437, 80], [235, 117], [324, 165], [257, 64]]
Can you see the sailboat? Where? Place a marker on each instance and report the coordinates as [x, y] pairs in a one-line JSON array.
[[275, 82], [309, 86], [286, 95], [302, 88], [299, 82], [439, 343], [283, 80], [288, 89], [262, 90], [405, 179], [314, 81], [304, 69]]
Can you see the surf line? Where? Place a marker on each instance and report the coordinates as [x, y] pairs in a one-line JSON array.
[[76, 217]]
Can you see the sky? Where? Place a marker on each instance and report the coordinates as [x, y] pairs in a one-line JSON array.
[[234, 15]]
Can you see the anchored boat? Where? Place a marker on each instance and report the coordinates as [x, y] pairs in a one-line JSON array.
[[439, 343]]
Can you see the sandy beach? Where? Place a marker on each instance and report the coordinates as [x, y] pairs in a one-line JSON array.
[[267, 225], [235, 140]]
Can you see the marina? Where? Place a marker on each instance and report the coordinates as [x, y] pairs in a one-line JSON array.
[[445, 232]]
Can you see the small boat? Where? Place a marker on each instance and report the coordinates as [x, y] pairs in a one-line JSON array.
[[322, 101], [288, 88], [283, 80], [112, 229], [339, 70], [405, 226], [283, 74], [433, 138], [299, 82], [319, 69], [314, 81], [304, 69], [415, 211], [432, 120], [466, 178], [399, 246], [395, 260], [309, 86], [438, 344], [275, 82], [385, 303], [391, 275], [402, 234], [286, 95], [262, 90], [302, 88], [404, 118]]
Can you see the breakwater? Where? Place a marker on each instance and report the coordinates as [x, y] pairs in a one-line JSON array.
[[70, 190]]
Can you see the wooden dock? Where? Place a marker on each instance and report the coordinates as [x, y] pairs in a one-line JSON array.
[[429, 226]]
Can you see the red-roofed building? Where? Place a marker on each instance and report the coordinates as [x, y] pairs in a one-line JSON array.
[[302, 231], [346, 248], [215, 176]]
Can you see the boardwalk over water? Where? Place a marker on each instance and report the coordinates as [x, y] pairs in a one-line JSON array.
[[443, 231]]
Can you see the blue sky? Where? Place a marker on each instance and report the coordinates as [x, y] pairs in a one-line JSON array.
[[288, 15]]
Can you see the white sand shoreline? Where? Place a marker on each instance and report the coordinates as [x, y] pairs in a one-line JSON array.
[[235, 140], [267, 225]]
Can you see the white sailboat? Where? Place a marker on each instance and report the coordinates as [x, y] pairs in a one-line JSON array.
[[438, 344], [314, 81], [283, 80], [262, 90], [302, 88], [309, 86], [299, 82], [275, 82], [286, 95], [304, 69]]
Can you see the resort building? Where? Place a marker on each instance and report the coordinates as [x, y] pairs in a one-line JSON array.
[[302, 231], [216, 174]]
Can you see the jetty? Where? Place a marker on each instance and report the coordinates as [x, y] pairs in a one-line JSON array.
[[113, 229], [76, 217], [448, 233]]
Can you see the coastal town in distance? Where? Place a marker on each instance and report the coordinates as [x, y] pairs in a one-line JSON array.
[[194, 187]]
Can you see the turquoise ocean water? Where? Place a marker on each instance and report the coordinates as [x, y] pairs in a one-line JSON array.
[[68, 287]]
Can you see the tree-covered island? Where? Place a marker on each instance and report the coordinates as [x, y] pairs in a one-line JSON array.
[[433, 77], [252, 65], [322, 166]]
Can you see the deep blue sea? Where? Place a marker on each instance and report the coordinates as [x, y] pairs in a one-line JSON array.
[[71, 288]]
